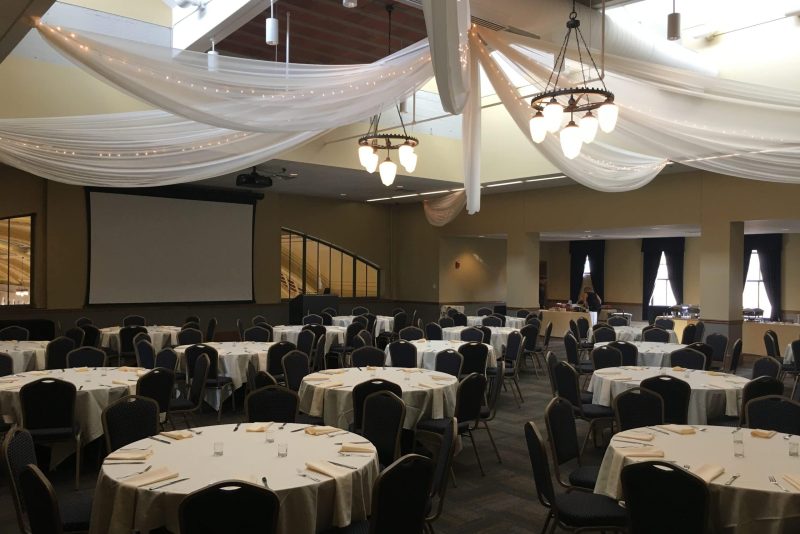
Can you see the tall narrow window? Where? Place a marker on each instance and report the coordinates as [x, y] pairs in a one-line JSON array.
[[587, 269], [755, 294], [662, 292], [15, 261]]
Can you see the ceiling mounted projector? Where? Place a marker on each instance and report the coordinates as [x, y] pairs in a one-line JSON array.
[[253, 179]]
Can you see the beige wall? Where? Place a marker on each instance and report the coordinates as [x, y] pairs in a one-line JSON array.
[[623, 271], [691, 271], [556, 254], [481, 272], [790, 279]]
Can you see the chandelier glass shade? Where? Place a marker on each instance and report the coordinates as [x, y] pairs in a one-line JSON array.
[[574, 104], [374, 143]]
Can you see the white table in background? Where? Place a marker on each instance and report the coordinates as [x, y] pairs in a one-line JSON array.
[[383, 323], [307, 506], [633, 333], [498, 340], [651, 354], [428, 349], [713, 394], [27, 355], [512, 322], [425, 396], [749, 505], [162, 336], [290, 333]]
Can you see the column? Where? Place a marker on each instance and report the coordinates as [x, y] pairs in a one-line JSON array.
[[522, 270], [721, 259]]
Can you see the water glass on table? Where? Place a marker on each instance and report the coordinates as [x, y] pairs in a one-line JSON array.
[[738, 444]]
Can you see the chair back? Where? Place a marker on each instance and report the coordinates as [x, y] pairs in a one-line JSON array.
[[571, 348], [257, 319], [470, 397], [534, 319], [736, 355], [359, 310], [44, 515], [382, 424], [769, 345], [446, 322], [655, 335], [167, 359], [400, 320], [449, 361], [327, 318], [230, 506], [700, 330], [638, 407], [126, 335], [129, 419], [191, 324], [675, 393], [405, 481], [618, 320], [319, 331], [630, 354], [82, 321], [703, 348], [566, 380], [411, 333], [145, 354], [14, 333], [560, 420], [719, 346], [18, 451], [351, 332], [540, 465], [689, 334], [762, 386], [665, 323], [471, 334], [365, 389], [362, 320], [773, 412], [487, 333], [190, 336], [365, 356], [240, 329], [433, 332], [295, 367], [484, 311], [56, 353], [157, 384], [552, 361], [47, 403], [444, 462], [688, 358], [604, 333], [6, 364], [133, 320], [139, 337], [275, 356], [403, 354], [476, 356], [305, 342], [583, 327], [547, 333], [514, 344], [459, 319], [521, 314], [192, 319], [91, 335], [491, 320], [646, 486], [499, 316], [271, 403], [86, 357], [76, 335], [197, 388], [258, 334], [193, 352], [211, 330], [605, 356], [312, 318], [766, 366]]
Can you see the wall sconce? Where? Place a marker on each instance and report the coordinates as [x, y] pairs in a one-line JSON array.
[[458, 264]]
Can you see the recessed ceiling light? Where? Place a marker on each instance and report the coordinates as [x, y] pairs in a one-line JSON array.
[[435, 192], [405, 196], [545, 179], [342, 194], [378, 199], [459, 189], [504, 183], [399, 187], [587, 231], [481, 236]]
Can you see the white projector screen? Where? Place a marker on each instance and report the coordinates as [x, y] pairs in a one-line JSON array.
[[149, 249]]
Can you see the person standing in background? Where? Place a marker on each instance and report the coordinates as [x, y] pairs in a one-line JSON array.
[[591, 301]]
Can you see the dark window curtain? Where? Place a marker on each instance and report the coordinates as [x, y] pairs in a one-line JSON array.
[[770, 250], [596, 250], [672, 247]]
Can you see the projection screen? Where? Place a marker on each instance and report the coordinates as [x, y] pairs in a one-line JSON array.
[[153, 249]]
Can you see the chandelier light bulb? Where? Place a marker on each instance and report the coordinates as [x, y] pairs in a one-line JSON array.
[[412, 163], [272, 32], [571, 142], [607, 116], [404, 154], [588, 126], [553, 112], [365, 154], [538, 127], [350, 3], [372, 163], [388, 171]]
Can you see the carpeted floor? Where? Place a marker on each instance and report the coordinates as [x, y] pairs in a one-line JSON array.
[[504, 501]]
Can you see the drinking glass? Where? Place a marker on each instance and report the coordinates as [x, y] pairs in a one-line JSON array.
[[218, 448], [794, 448], [283, 450], [738, 444]]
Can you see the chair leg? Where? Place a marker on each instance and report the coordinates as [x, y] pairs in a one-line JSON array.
[[78, 461], [794, 386], [475, 450], [589, 432], [453, 477], [546, 523], [491, 438], [519, 391]]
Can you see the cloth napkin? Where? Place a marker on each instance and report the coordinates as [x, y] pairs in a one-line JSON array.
[[258, 427], [708, 472], [124, 382], [427, 385], [678, 368], [177, 434], [333, 371], [142, 372], [644, 452], [315, 378], [372, 368], [321, 430], [158, 474], [126, 369], [607, 372], [715, 373], [621, 377], [130, 455], [81, 369], [410, 370], [794, 480], [357, 447], [39, 373], [344, 489], [641, 436], [443, 377], [758, 433], [678, 429]]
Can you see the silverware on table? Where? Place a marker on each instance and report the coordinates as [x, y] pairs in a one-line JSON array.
[[148, 468], [775, 482], [124, 462], [658, 430], [264, 481], [732, 479], [303, 474], [353, 442], [168, 484], [237, 427], [301, 428], [633, 442], [332, 434], [281, 427], [195, 432], [342, 465], [159, 440]]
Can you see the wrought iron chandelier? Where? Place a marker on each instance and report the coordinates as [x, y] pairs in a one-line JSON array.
[[554, 103], [373, 143]]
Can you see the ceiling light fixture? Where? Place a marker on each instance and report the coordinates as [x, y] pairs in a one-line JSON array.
[[551, 105], [212, 58], [673, 24], [378, 199], [350, 3], [504, 183], [272, 29], [370, 144], [545, 179]]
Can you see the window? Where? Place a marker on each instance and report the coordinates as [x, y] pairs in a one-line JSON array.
[[587, 269], [755, 294], [662, 292], [15, 260], [313, 267]]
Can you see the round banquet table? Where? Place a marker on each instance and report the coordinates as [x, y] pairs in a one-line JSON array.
[[383, 323], [498, 340], [651, 354], [162, 336], [428, 349], [427, 394], [26, 355], [713, 394], [306, 506], [512, 322], [632, 333], [97, 388], [751, 504], [290, 333]]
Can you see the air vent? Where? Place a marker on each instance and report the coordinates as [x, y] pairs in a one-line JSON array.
[[487, 24]]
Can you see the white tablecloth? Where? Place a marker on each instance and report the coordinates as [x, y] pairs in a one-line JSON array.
[[512, 322], [96, 390], [383, 323], [290, 333], [428, 349], [633, 333], [712, 394], [751, 504], [27, 355], [162, 336], [651, 354], [498, 340], [425, 397], [307, 506]]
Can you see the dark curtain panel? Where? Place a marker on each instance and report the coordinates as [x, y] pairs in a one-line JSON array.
[[596, 250], [770, 250], [672, 247], [650, 261]]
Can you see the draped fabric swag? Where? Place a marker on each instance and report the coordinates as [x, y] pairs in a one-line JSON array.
[[442, 210], [578, 250], [673, 249], [770, 253]]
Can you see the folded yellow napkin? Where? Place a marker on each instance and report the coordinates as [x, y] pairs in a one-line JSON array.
[[9, 387], [321, 430], [357, 447], [158, 474], [177, 434], [410, 370], [443, 377], [758, 433], [427, 385], [372, 368], [126, 369], [644, 452], [641, 436], [315, 378], [621, 377], [678, 429], [81, 369], [7, 380], [607, 372], [258, 427], [130, 455], [794, 480], [124, 382], [39, 373], [327, 469], [142, 372], [715, 373], [708, 472], [333, 371]]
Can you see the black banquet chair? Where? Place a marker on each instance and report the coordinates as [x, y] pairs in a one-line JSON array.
[[687, 358], [629, 351], [91, 335], [365, 356], [14, 333], [675, 393], [76, 335], [638, 407], [86, 357], [403, 354], [365, 389], [449, 361], [157, 384], [384, 414], [766, 366], [192, 404], [563, 436], [145, 354], [271, 403], [44, 513], [247, 508], [190, 336], [55, 356], [295, 366], [773, 412], [411, 333], [129, 419], [133, 320], [257, 333], [566, 382], [471, 334], [6, 364], [476, 357], [433, 331], [655, 335]]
